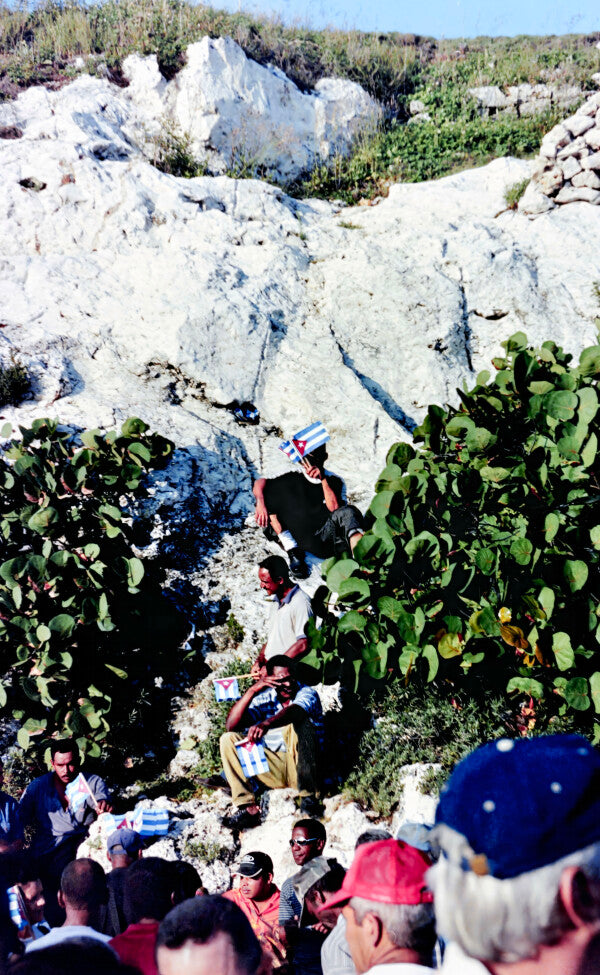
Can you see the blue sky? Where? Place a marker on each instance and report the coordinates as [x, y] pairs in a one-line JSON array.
[[440, 18]]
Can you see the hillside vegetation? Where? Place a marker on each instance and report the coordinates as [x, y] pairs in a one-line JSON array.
[[39, 45]]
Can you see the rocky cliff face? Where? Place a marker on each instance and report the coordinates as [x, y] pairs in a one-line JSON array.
[[128, 291]]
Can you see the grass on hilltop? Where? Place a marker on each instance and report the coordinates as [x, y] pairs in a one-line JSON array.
[[38, 46]]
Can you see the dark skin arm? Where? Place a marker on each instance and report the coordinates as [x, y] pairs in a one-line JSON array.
[[236, 716], [286, 716]]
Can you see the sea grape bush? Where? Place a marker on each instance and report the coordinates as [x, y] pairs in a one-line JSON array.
[[75, 604], [480, 567]]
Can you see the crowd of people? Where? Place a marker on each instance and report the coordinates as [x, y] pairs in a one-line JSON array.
[[507, 882]]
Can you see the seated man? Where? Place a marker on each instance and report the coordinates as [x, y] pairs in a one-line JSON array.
[[289, 614], [59, 829], [208, 936], [307, 512], [275, 702], [82, 893], [258, 897]]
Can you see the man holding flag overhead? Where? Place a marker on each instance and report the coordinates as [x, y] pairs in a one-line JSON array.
[[306, 511], [279, 748]]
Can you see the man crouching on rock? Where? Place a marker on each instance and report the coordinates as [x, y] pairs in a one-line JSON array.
[[287, 718]]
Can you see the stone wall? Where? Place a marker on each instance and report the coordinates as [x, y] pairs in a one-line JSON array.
[[568, 167]]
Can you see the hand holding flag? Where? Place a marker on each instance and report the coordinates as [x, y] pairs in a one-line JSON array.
[[78, 791]]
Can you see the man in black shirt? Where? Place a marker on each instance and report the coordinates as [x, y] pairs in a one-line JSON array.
[[307, 512]]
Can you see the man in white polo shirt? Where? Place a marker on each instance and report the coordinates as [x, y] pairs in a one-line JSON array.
[[290, 613]]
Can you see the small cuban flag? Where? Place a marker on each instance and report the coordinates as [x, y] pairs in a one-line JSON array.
[[109, 822], [305, 441], [78, 791], [227, 689], [149, 822], [252, 758]]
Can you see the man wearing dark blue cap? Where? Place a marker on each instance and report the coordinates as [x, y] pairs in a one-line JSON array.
[[517, 885]]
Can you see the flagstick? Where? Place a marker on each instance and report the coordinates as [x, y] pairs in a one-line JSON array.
[[231, 677]]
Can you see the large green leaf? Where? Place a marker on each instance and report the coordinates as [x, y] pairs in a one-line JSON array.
[[63, 624], [339, 571], [576, 573], [352, 622], [561, 405], [563, 651], [526, 685], [576, 694]]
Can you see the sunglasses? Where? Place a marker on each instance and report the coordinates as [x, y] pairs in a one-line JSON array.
[[302, 842]]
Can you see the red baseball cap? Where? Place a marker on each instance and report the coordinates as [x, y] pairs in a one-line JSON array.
[[389, 872]]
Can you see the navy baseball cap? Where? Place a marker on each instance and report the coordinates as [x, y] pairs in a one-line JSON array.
[[125, 841], [525, 803]]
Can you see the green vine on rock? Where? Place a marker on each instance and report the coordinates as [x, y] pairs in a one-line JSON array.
[[480, 567], [81, 623]]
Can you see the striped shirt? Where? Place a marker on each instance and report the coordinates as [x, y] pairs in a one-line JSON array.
[[266, 704]]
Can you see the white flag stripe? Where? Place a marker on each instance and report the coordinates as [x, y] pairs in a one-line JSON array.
[[253, 760]]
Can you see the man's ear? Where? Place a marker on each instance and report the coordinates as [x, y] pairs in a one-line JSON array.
[[576, 897], [320, 844], [61, 899], [373, 929]]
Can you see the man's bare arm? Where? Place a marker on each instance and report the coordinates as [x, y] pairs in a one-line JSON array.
[[261, 514], [238, 711], [297, 649]]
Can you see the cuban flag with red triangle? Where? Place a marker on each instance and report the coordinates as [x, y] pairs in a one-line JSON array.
[[227, 689], [77, 792], [305, 441], [252, 758]]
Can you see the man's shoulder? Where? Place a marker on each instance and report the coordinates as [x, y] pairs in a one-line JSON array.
[[7, 800], [39, 784], [307, 695]]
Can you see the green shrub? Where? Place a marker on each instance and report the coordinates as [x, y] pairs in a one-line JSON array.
[[14, 383], [84, 631], [411, 728], [481, 562], [171, 152], [513, 193]]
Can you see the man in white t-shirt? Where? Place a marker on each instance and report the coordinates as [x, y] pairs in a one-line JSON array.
[[82, 893], [390, 923], [290, 612]]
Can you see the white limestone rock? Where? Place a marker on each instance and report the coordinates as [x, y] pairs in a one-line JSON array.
[[554, 140], [592, 161], [549, 182], [243, 116], [580, 123], [489, 97], [574, 194], [587, 178], [592, 138], [570, 167], [535, 201]]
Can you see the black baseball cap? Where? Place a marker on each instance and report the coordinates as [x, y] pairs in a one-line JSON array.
[[253, 864]]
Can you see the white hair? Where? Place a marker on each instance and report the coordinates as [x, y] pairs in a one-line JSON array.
[[407, 925], [503, 920]]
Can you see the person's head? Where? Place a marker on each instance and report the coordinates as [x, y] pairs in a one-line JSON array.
[[123, 847], [518, 828], [186, 881], [82, 889], [283, 672], [64, 758], [307, 841], [316, 897], [83, 955], [386, 904], [255, 871], [372, 836], [32, 891], [207, 935], [149, 885], [317, 457], [274, 574]]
